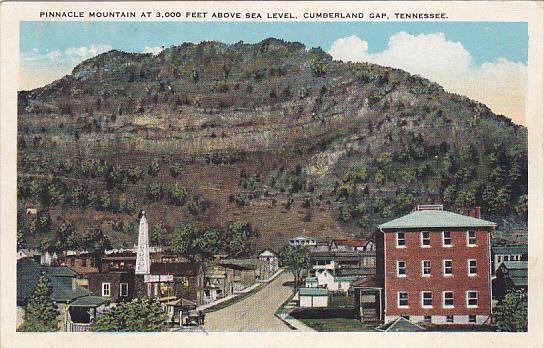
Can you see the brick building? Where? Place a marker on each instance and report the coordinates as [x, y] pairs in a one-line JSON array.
[[436, 267]]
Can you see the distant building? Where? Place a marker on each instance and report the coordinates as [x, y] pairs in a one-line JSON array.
[[508, 253], [353, 245], [303, 241], [271, 259], [436, 267], [510, 275]]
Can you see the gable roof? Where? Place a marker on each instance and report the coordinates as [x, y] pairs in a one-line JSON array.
[[435, 219], [61, 281], [517, 272], [400, 325], [89, 301], [267, 252], [356, 243]]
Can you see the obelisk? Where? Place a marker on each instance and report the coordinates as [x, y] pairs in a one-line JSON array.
[[142, 256]]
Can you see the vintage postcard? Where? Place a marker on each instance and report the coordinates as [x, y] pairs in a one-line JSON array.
[[276, 171]]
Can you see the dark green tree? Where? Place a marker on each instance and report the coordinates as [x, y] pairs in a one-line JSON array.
[[154, 168], [159, 235], [239, 239], [155, 191], [140, 315], [41, 313], [177, 195], [175, 170], [95, 242], [197, 205], [511, 313], [296, 259]]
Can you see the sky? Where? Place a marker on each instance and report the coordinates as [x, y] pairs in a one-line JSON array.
[[486, 61]]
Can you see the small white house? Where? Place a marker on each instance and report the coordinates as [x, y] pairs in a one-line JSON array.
[[313, 297], [310, 282], [303, 241], [271, 259]]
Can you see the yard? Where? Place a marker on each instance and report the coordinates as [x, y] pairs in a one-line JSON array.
[[338, 325]]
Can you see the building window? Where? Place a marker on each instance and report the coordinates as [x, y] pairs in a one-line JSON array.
[[84, 263], [123, 289], [407, 317], [471, 238], [185, 282], [472, 269], [106, 289], [447, 299], [72, 262], [426, 268], [472, 319], [403, 299], [427, 319], [401, 268], [446, 239], [449, 318], [425, 239], [426, 299], [401, 240], [472, 299], [448, 268], [91, 262]]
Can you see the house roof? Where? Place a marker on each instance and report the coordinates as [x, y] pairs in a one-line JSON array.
[[302, 238], [509, 249], [311, 279], [89, 301], [179, 269], [61, 281], [312, 292], [435, 219], [400, 325], [268, 253], [359, 271], [358, 243], [238, 267], [370, 282], [517, 272], [83, 270]]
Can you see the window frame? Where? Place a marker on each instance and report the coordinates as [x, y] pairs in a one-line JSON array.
[[469, 270], [472, 321], [423, 305], [468, 298], [448, 319], [469, 244], [407, 299], [444, 268], [423, 274], [397, 238], [428, 319], [399, 275], [450, 244], [106, 289], [444, 305], [121, 292], [424, 239]]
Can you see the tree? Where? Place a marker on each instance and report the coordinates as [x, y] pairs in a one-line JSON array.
[[159, 235], [195, 242], [155, 192], [154, 168], [178, 195], [96, 242], [239, 239], [197, 205], [296, 259], [175, 170], [41, 313], [66, 237], [511, 313], [140, 315]]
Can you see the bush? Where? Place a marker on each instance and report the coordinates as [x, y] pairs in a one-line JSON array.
[[178, 195], [155, 192]]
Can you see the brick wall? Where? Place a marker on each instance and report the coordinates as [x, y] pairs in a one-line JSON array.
[[459, 282]]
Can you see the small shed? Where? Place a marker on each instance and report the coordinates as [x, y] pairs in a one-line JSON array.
[[313, 297], [311, 282]]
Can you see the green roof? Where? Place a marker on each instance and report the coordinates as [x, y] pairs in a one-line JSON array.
[[312, 292], [89, 301], [60, 271], [435, 219], [346, 278], [509, 249], [311, 279], [62, 286]]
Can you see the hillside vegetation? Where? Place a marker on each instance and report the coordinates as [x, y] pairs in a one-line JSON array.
[[272, 134]]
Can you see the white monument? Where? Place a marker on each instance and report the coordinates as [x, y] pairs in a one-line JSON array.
[[142, 255]]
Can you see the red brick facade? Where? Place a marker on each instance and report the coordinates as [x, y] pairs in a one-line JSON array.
[[459, 282]]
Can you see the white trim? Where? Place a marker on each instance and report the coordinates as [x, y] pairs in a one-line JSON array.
[[106, 289], [468, 238], [475, 266], [407, 299], [423, 274], [421, 239], [422, 299], [121, 292], [444, 268], [444, 305], [397, 239], [467, 299], [398, 269], [444, 245]]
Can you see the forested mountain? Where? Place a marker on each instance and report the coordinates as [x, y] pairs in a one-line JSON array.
[[272, 134]]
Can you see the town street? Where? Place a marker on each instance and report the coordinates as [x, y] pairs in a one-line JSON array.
[[256, 312]]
